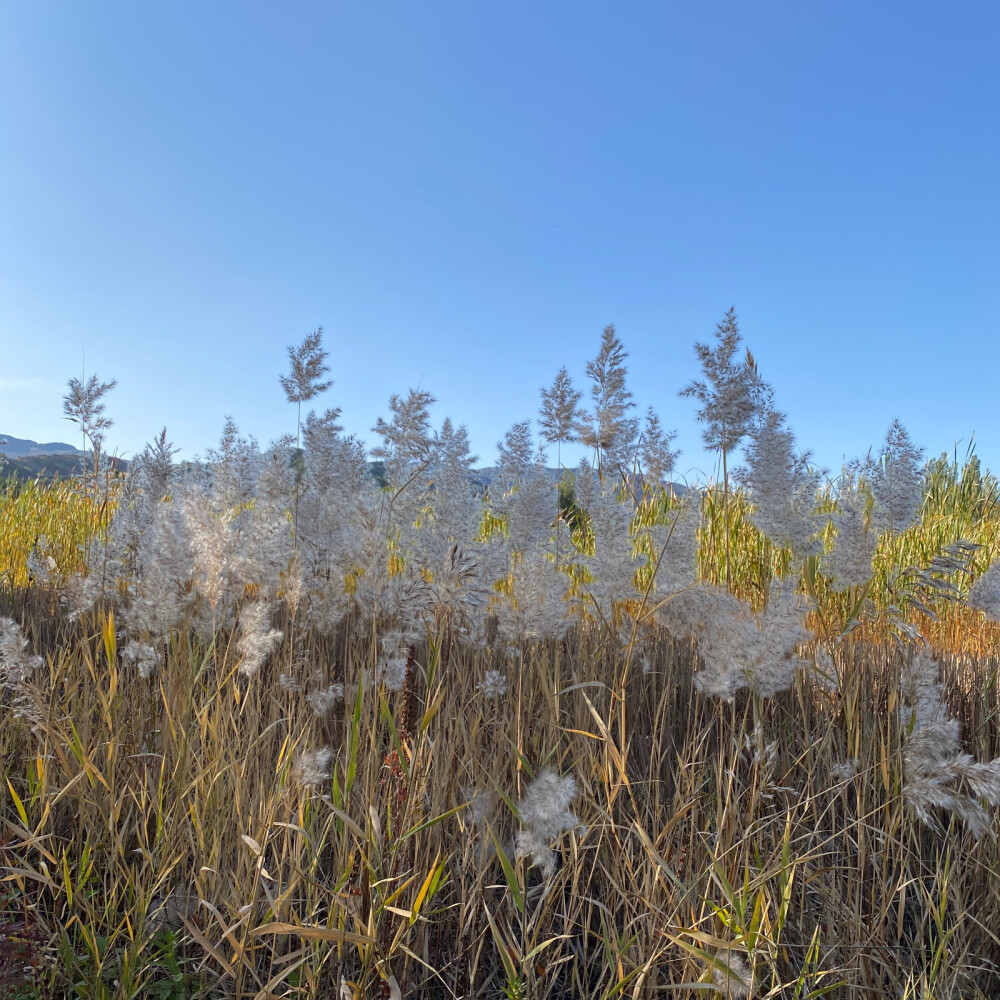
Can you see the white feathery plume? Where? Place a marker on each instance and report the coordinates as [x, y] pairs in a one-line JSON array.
[[143, 656], [392, 672], [614, 562], [731, 976], [535, 607], [312, 767], [560, 415], [984, 594], [156, 470], [83, 405], [16, 665], [675, 546], [732, 394], [335, 487], [783, 489], [493, 684], [516, 455], [257, 639], [81, 592], [458, 510], [896, 482], [324, 700], [545, 813], [530, 509], [740, 649], [935, 773], [560, 412], [214, 548], [307, 368], [266, 546], [849, 563], [456, 586], [42, 568], [406, 438], [235, 468], [17, 670], [658, 458], [159, 595], [608, 428], [394, 655]]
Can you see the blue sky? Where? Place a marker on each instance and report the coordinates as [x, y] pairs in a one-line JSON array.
[[463, 194]]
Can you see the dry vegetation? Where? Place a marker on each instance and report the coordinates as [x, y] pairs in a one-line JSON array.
[[214, 809]]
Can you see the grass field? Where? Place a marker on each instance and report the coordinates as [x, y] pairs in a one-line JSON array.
[[192, 830]]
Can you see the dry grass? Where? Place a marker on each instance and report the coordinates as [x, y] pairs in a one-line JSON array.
[[157, 840]]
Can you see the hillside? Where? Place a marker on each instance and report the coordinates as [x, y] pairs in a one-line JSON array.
[[14, 447], [25, 459]]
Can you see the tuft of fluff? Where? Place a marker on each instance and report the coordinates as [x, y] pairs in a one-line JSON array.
[[531, 509], [393, 658], [608, 428], [213, 547], [16, 665], [392, 672], [560, 414], [614, 562], [42, 568], [544, 813], [849, 564], [731, 975], [324, 700], [165, 567], [783, 488], [257, 640], [235, 466], [675, 554], [407, 446], [935, 774], [493, 684], [740, 649], [535, 607], [732, 395], [143, 656], [896, 482], [984, 594], [456, 587], [17, 668], [312, 767], [658, 458]]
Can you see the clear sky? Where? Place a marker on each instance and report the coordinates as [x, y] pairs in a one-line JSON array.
[[462, 194]]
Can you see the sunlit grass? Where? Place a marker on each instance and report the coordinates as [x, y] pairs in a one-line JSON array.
[[159, 840]]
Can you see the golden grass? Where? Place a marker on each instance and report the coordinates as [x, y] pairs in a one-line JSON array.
[[162, 818], [60, 513]]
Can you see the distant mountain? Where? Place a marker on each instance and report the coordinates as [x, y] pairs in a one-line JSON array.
[[14, 447], [24, 459], [483, 478]]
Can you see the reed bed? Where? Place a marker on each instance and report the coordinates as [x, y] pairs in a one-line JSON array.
[[273, 728], [166, 837], [60, 515]]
